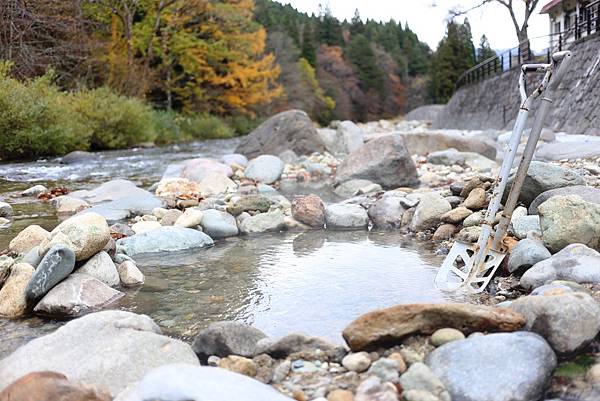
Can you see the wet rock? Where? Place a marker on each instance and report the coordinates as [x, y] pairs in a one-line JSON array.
[[348, 138], [391, 325], [262, 222], [216, 184], [124, 208], [477, 199], [129, 274], [30, 237], [386, 212], [457, 215], [384, 368], [235, 159], [420, 377], [345, 216], [290, 129], [6, 210], [588, 194], [78, 294], [309, 210], [101, 267], [78, 156], [291, 344], [170, 217], [357, 362], [447, 157], [542, 177], [469, 234], [69, 205], [51, 386], [355, 187], [110, 191], [162, 240], [238, 364], [227, 338], [521, 225], [217, 224], [6, 262], [525, 254], [197, 169], [510, 367], [429, 211], [446, 335], [34, 190], [177, 187], [190, 218], [444, 232], [54, 267], [13, 302], [88, 233], [374, 389], [265, 168], [569, 219], [145, 226], [112, 349], [567, 321], [260, 203], [384, 160], [575, 262], [199, 383], [121, 230]]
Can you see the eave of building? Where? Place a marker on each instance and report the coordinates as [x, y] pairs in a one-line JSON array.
[[548, 7]]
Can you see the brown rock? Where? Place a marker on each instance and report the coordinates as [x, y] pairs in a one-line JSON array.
[[476, 200], [445, 231], [28, 238], [396, 356], [309, 210], [389, 326], [471, 185], [12, 294], [50, 386], [238, 364], [456, 215], [340, 395]]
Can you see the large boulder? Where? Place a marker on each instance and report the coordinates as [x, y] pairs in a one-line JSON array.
[[110, 191], [87, 233], [568, 321], [569, 219], [79, 294], [200, 383], [424, 113], [13, 302], [217, 224], [227, 338], [290, 129], [348, 138], [391, 325], [384, 160], [422, 143], [343, 216], [576, 263], [56, 265], [495, 367], [265, 169], [28, 238], [112, 349], [78, 156], [162, 240], [429, 211], [542, 177], [588, 194]]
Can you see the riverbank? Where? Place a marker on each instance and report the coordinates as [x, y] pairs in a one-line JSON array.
[[349, 200]]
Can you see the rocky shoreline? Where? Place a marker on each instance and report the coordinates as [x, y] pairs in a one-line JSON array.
[[541, 312]]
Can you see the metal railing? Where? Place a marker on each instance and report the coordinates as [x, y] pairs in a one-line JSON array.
[[587, 23]]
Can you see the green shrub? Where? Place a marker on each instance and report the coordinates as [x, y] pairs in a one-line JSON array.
[[204, 126], [243, 125], [36, 119], [168, 129], [114, 121]]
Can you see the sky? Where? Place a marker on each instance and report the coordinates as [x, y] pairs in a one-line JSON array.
[[427, 18]]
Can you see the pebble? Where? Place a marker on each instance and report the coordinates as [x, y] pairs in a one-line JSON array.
[[446, 335], [357, 362]]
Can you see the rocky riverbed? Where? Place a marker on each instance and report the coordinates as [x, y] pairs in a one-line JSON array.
[[345, 226]]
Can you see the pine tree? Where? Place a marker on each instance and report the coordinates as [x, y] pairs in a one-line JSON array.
[[309, 51], [330, 29], [484, 51]]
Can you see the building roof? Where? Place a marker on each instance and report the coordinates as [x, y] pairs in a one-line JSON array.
[[551, 4]]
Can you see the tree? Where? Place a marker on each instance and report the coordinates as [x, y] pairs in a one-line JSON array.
[[330, 29], [309, 51], [484, 51], [356, 24]]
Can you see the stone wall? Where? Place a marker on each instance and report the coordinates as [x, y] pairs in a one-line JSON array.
[[494, 103]]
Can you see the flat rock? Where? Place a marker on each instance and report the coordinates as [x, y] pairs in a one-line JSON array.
[[162, 240], [77, 295], [429, 211], [262, 222], [391, 325], [446, 157], [570, 150], [216, 184], [249, 203], [101, 267], [54, 267], [422, 143], [355, 187], [69, 205], [87, 233], [345, 216], [292, 343], [145, 226], [28, 238], [575, 262], [309, 210], [510, 367], [227, 338], [385, 161], [290, 129], [265, 169], [124, 208], [111, 348], [217, 224], [588, 194], [78, 156], [110, 191], [13, 302]]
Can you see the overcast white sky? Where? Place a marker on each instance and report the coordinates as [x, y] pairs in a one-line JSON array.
[[427, 18]]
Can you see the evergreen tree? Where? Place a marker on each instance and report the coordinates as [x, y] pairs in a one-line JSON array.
[[356, 24], [484, 51], [330, 29], [309, 51]]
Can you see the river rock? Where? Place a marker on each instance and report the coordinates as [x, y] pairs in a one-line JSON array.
[[509, 367], [34, 190], [422, 143], [521, 225], [170, 217], [477, 199], [78, 294], [235, 159], [145, 226], [110, 191], [355, 187], [384, 368], [429, 211], [479, 162], [250, 203], [121, 230], [198, 169], [345, 216], [292, 343], [384, 160], [129, 274], [190, 218], [101, 267], [588, 194], [28, 238], [124, 208], [163, 240], [446, 157], [78, 156], [469, 234], [387, 212], [265, 168], [6, 210], [542, 177], [446, 335], [374, 389], [177, 187], [525, 254], [6, 262], [456, 215], [262, 222], [217, 224], [420, 377], [200, 383], [69, 205], [568, 321], [290, 129], [444, 232], [391, 325], [87, 232], [227, 338], [54, 267], [309, 210], [13, 302], [216, 184], [357, 361], [569, 219], [348, 138], [111, 349], [576, 262]]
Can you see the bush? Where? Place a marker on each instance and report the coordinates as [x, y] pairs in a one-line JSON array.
[[204, 126], [168, 129], [243, 125], [36, 119], [114, 121]]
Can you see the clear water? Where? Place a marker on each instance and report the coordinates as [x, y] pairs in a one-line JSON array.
[[314, 282]]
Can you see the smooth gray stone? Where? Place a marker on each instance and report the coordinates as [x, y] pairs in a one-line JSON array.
[[265, 169], [345, 216], [235, 158], [162, 240], [292, 343], [32, 257], [54, 267], [78, 156], [110, 191], [386, 212], [588, 194], [446, 157], [123, 208], [521, 225], [527, 253], [227, 338], [217, 224], [495, 367]]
